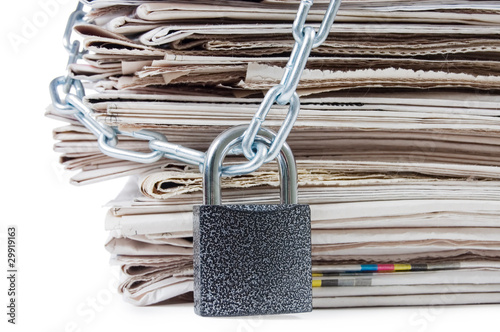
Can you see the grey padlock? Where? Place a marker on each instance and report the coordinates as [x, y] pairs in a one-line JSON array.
[[251, 259]]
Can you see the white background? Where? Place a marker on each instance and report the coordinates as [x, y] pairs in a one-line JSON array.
[[64, 281]]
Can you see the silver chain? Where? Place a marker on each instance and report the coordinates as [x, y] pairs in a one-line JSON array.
[[67, 96]]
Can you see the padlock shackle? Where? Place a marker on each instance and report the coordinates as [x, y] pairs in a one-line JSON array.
[[228, 140]]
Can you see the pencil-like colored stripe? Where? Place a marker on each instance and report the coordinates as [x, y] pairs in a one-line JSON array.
[[385, 267], [419, 267], [316, 283], [369, 267], [402, 267], [317, 274]]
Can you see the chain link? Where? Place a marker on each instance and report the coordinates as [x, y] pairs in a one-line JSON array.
[[67, 96], [75, 18], [324, 29], [108, 146], [256, 124]]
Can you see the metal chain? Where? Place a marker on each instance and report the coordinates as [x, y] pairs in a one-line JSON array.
[[67, 96], [285, 93]]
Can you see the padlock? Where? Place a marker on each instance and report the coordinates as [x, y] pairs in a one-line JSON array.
[[251, 259]]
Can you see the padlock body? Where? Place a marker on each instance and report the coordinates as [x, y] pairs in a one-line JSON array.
[[252, 259]]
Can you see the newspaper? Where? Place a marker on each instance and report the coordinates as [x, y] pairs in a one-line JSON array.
[[441, 244], [396, 143], [452, 134]]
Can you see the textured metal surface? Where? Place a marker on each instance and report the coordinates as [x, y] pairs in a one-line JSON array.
[[252, 259]]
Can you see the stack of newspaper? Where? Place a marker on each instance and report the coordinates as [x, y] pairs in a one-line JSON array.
[[397, 142]]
